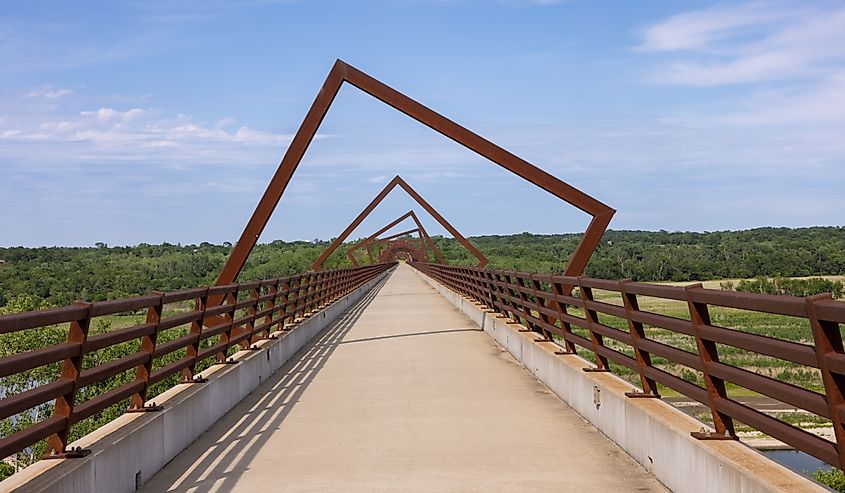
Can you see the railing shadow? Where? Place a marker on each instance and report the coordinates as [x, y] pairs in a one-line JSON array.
[[220, 456]]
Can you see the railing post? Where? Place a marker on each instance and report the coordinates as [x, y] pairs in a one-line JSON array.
[[828, 341], [477, 287], [251, 310], [71, 368], [271, 306], [523, 298], [637, 333], [331, 287], [592, 319], [492, 289], [504, 308], [313, 280], [284, 303], [226, 336], [541, 302], [142, 371], [512, 311], [559, 290], [708, 352], [298, 306], [321, 290], [193, 349]]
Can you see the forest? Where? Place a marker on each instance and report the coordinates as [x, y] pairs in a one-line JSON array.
[[50, 276]]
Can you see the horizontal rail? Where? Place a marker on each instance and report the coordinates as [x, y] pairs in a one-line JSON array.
[[544, 304], [171, 341]]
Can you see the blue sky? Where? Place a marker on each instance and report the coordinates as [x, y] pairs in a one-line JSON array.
[[152, 121]]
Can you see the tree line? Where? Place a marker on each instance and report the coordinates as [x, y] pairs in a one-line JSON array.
[[59, 275]]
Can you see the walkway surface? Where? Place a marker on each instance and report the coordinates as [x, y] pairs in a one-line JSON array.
[[403, 393]]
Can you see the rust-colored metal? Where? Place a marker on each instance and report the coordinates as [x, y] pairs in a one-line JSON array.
[[499, 291], [829, 350], [137, 403], [398, 181], [369, 244], [635, 327], [596, 338], [71, 369], [423, 237], [266, 301], [342, 72], [708, 353], [401, 249], [189, 373]]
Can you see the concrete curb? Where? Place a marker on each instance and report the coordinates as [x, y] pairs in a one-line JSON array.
[[651, 431], [131, 449]]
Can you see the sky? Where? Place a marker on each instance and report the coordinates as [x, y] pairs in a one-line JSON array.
[[163, 121]]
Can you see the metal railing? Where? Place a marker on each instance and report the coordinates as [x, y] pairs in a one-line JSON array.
[[246, 313], [545, 304]]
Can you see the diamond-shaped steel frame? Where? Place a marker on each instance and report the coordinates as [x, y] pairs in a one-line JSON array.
[[398, 181], [397, 246], [342, 72], [387, 242], [373, 239]]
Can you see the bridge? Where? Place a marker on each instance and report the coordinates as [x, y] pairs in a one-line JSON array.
[[405, 372], [402, 393]]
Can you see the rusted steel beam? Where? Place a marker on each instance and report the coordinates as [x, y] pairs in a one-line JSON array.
[[372, 239], [828, 341], [400, 234], [368, 243], [400, 246], [437, 253], [424, 236], [708, 353], [342, 72], [64, 406], [398, 181], [637, 335], [148, 345]]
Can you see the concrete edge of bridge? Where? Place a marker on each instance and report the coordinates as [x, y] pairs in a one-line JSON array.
[[652, 432], [131, 449]]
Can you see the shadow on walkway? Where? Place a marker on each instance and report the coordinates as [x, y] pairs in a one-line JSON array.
[[216, 462], [412, 334]]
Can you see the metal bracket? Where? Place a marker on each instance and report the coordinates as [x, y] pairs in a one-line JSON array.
[[705, 434], [74, 453], [146, 408], [641, 395], [195, 379]]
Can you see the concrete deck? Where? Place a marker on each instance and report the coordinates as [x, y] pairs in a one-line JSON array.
[[403, 393]]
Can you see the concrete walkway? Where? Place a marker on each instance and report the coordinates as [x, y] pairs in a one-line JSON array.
[[403, 393]]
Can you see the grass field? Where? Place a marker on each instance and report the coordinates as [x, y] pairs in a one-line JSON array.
[[777, 326]]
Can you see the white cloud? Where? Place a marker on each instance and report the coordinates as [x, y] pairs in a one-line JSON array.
[[748, 43], [703, 29], [48, 92], [224, 122], [140, 127], [820, 106], [245, 134]]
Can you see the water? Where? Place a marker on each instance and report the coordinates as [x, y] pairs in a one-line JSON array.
[[797, 461]]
